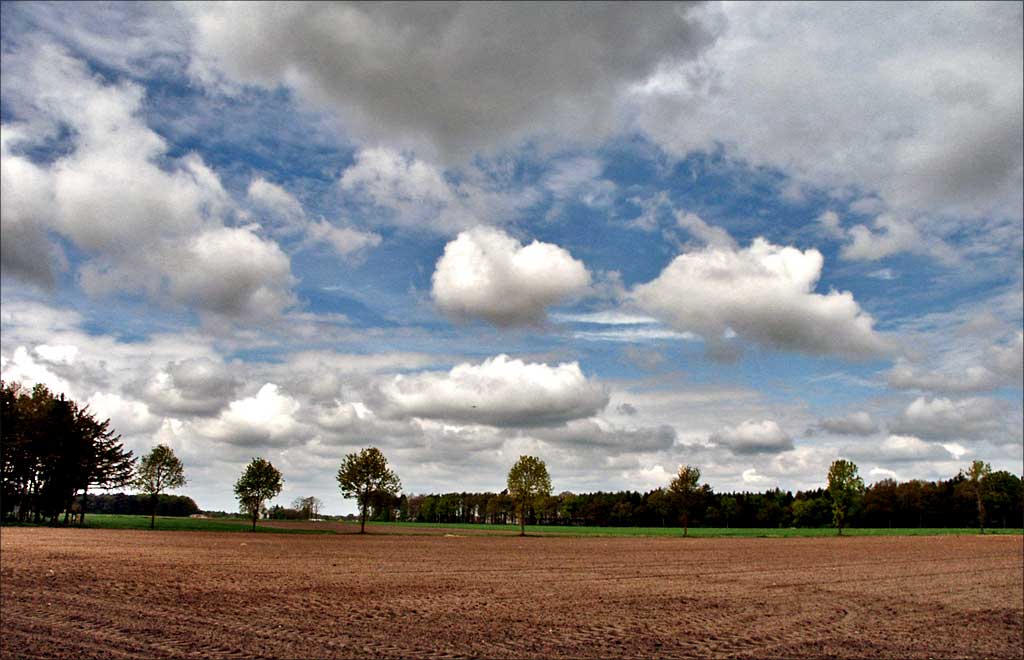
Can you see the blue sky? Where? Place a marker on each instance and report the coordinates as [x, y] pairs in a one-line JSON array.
[[754, 237]]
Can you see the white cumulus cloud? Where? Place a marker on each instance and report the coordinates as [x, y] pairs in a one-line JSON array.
[[972, 418], [500, 391], [899, 449], [856, 423], [752, 437], [486, 274], [266, 419], [765, 294], [144, 221]]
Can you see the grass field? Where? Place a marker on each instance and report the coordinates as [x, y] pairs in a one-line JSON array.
[[167, 523], [702, 532], [107, 521]]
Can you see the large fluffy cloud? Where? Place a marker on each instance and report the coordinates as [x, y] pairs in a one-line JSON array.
[[763, 293], [26, 199], [752, 437], [598, 435], [931, 95], [856, 423], [485, 273], [499, 391], [267, 418], [452, 78], [194, 386], [899, 449], [975, 418], [999, 365], [145, 221]]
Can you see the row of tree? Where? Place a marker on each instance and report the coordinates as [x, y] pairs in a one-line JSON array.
[[54, 451], [887, 503]]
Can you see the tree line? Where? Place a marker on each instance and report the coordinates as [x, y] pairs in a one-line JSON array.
[[52, 451], [127, 504], [887, 503]]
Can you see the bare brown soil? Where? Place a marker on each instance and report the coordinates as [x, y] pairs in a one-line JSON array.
[[117, 594]]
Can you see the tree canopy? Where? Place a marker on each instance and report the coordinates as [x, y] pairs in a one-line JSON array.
[[260, 482], [159, 470], [365, 475], [685, 489], [977, 477], [528, 481], [845, 487], [51, 451]]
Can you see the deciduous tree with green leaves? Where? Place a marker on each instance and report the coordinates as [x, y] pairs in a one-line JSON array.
[[685, 490], [528, 480], [159, 470], [846, 487], [977, 475], [728, 507], [365, 475], [260, 483]]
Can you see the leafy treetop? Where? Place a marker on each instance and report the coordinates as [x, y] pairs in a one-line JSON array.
[[260, 482], [528, 480], [366, 474]]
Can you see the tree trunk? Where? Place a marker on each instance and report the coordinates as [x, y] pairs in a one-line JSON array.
[[981, 515], [522, 519], [152, 511], [255, 515], [81, 515], [686, 525], [36, 514]]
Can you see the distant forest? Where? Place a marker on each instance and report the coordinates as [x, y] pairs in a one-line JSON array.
[[140, 505], [945, 503]]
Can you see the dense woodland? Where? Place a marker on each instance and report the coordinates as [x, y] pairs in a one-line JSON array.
[[946, 503], [52, 452], [140, 505]]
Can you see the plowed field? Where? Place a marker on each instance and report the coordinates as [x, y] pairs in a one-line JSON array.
[[109, 594]]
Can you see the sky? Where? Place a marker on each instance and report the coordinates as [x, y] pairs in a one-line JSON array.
[[753, 238]]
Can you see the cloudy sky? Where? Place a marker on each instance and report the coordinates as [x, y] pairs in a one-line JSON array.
[[752, 237]]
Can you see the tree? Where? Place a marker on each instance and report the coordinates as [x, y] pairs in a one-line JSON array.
[[260, 482], [1003, 497], [977, 476], [528, 480], [309, 506], [364, 476], [845, 487], [685, 491], [159, 470], [50, 450], [728, 507]]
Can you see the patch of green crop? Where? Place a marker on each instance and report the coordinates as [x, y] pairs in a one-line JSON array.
[[695, 532], [168, 523]]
